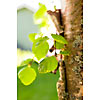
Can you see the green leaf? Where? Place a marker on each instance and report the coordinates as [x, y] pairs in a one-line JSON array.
[[65, 52], [48, 64], [26, 62], [40, 47], [58, 45], [40, 13], [27, 75], [59, 38], [32, 36]]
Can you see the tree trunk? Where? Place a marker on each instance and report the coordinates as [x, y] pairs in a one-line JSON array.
[[72, 15]]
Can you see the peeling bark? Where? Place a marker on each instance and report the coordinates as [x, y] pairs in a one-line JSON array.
[[72, 14], [61, 84]]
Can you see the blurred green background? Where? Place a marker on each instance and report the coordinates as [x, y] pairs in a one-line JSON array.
[[44, 87]]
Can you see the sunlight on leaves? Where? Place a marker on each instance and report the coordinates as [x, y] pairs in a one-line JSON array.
[[40, 13], [48, 64], [27, 75], [59, 38], [40, 47]]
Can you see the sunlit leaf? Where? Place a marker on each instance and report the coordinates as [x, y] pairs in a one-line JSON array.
[[27, 75], [65, 52], [59, 38], [40, 47], [32, 36], [40, 13], [58, 45], [48, 64]]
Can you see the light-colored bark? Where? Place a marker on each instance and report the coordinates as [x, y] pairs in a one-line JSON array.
[[72, 14]]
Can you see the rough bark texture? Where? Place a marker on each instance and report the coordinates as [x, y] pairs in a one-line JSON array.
[[61, 84], [72, 14]]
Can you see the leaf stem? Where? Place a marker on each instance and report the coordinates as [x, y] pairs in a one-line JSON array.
[[55, 49]]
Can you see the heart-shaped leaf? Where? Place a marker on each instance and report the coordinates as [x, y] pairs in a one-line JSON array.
[[59, 38], [27, 75], [40, 47], [40, 13], [48, 64]]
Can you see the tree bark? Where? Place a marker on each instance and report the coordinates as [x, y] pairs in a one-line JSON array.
[[72, 15]]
